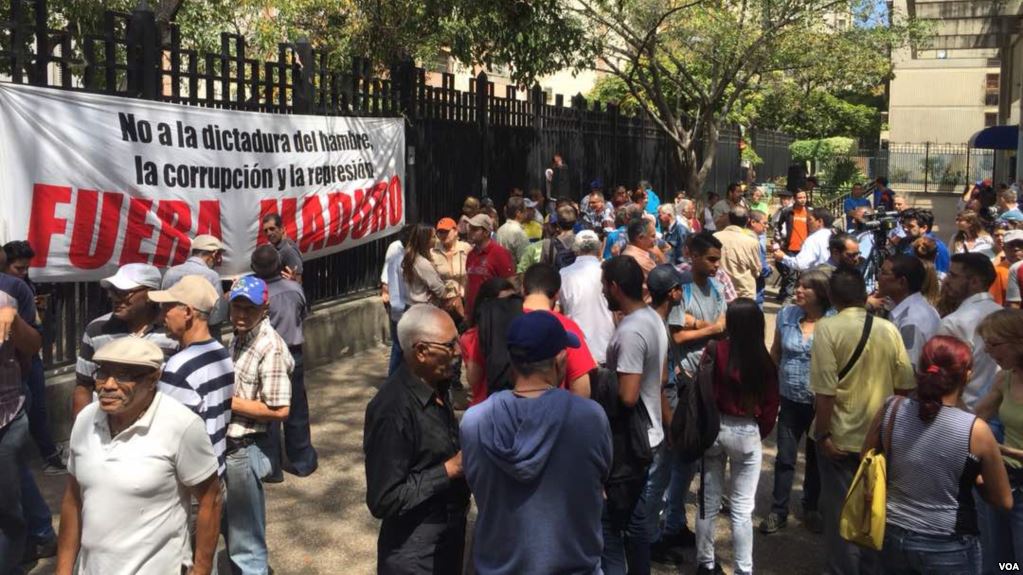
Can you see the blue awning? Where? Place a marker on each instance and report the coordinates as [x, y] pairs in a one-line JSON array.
[[996, 138]]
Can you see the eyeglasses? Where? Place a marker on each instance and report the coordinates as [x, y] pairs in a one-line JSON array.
[[121, 376], [123, 296], [450, 345]]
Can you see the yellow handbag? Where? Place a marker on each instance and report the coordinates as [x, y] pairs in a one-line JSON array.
[[864, 510]]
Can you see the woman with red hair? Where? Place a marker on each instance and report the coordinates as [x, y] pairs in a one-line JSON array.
[[935, 451]]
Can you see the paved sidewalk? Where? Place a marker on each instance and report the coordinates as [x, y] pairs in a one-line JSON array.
[[320, 524]]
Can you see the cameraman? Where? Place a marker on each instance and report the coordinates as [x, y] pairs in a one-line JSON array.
[[884, 197], [917, 223]]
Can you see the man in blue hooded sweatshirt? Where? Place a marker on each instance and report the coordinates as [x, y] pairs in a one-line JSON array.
[[536, 459]]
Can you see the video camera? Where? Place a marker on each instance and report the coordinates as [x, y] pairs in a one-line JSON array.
[[881, 221]]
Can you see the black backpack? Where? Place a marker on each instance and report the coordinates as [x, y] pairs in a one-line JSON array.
[[492, 322], [696, 423], [557, 254], [630, 446]]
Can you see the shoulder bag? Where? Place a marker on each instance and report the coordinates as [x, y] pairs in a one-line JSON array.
[[865, 509]]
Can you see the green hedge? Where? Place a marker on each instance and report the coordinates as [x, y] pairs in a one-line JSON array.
[[821, 150]]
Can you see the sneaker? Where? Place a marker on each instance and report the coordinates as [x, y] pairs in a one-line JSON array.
[[36, 550], [716, 570], [813, 521], [772, 523], [667, 551], [56, 464]]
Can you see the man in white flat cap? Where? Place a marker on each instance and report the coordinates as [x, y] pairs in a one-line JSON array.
[[133, 314], [137, 457], [207, 255]]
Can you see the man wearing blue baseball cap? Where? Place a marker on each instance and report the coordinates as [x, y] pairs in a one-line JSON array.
[[262, 394], [545, 450]]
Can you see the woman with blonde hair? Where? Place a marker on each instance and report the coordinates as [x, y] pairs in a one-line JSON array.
[[926, 249], [971, 236], [1002, 333]]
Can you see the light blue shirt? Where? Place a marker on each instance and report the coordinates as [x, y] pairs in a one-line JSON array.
[[794, 364]]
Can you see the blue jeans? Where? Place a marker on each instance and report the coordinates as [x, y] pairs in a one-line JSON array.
[[666, 487], [298, 442], [1004, 530], [628, 551], [843, 557], [38, 422], [738, 443], [37, 512], [13, 526], [906, 552], [794, 421], [245, 511], [395, 361]]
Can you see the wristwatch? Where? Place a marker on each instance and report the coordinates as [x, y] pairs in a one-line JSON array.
[[822, 436]]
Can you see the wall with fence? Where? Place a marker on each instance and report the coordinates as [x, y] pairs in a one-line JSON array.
[[460, 143], [930, 167]]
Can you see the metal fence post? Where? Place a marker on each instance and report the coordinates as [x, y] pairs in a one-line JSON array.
[[404, 75], [143, 55], [927, 164], [42, 45], [482, 125], [536, 102], [302, 90]]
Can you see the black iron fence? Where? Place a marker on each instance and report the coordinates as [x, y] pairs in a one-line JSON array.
[[473, 142]]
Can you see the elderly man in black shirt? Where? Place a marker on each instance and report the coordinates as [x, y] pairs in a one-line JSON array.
[[414, 473]]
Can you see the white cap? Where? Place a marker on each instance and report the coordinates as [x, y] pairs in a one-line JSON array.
[[529, 203], [133, 276], [1013, 236]]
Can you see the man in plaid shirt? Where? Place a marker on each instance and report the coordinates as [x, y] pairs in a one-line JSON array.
[[262, 394]]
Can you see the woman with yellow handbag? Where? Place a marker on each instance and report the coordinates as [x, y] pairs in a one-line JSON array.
[[933, 456]]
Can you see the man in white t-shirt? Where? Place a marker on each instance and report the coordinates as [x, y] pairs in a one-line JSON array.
[[392, 293], [637, 354], [1014, 253], [580, 301], [968, 280], [136, 457], [901, 277]]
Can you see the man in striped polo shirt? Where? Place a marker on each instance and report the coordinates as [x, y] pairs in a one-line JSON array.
[[201, 374], [133, 314]]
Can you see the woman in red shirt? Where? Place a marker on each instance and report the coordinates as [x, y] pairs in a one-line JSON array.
[[746, 393]]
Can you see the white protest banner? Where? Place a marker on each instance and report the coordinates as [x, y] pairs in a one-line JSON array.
[[95, 182]]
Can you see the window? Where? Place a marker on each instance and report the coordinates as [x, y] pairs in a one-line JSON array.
[[991, 99], [991, 82], [990, 119]]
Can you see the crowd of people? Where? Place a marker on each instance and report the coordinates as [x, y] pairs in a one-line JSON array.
[[614, 358], [580, 427], [174, 432]]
